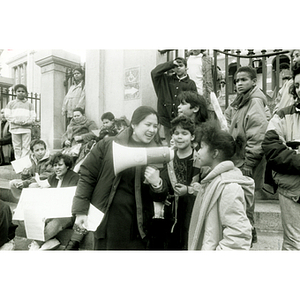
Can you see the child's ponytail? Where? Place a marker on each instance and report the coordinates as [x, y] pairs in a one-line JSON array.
[[219, 139]]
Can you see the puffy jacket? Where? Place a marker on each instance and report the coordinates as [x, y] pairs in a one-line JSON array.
[[81, 127], [98, 185], [283, 161], [219, 220], [250, 121], [42, 167]]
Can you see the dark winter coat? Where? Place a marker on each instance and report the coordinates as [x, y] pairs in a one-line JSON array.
[[98, 185], [70, 179], [167, 89]]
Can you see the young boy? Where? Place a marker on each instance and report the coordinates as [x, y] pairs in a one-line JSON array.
[[246, 116], [108, 128], [108, 120], [40, 159], [194, 106], [20, 114], [178, 176], [167, 89]]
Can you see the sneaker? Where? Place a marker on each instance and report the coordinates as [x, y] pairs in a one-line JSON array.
[[33, 246], [9, 246], [50, 245]]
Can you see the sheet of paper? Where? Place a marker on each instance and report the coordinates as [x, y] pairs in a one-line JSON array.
[[34, 222], [20, 164], [96, 132], [55, 203], [94, 218], [36, 205], [41, 183]]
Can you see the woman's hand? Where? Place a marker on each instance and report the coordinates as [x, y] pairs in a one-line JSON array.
[[68, 143], [152, 176], [81, 221], [180, 189]]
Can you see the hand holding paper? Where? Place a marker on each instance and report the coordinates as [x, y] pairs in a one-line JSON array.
[[20, 164], [42, 183]]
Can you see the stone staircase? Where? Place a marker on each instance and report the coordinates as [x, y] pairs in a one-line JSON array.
[[267, 219]]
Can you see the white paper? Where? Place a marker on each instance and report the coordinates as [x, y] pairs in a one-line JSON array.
[[34, 222], [55, 203], [36, 205], [42, 183], [94, 218], [96, 132], [22, 163], [218, 111]]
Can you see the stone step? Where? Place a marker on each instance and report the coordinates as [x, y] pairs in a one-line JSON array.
[[267, 216], [7, 172]]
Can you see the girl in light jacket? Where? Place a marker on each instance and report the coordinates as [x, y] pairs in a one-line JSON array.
[[219, 220]]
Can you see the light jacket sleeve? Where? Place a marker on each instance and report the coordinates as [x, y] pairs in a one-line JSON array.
[[81, 102], [280, 158], [228, 115], [255, 128], [31, 116], [235, 224]]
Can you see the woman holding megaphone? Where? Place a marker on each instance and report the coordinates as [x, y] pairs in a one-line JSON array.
[[125, 196]]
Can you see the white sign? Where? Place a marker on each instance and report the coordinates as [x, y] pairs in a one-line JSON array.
[[36, 205]]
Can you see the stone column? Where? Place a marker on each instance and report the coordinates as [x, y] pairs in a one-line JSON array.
[[94, 85], [53, 65]]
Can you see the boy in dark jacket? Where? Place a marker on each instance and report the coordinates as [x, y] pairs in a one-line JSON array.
[[168, 87]]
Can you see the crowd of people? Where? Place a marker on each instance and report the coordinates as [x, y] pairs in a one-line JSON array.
[[203, 198]]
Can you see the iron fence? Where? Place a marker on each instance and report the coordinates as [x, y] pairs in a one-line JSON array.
[[7, 95], [257, 61]]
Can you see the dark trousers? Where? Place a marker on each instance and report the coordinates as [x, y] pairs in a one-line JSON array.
[[6, 227]]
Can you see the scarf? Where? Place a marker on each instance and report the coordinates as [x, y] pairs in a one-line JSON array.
[[210, 191], [76, 127], [242, 99]]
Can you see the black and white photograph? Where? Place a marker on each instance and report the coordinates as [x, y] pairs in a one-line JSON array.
[[129, 157]]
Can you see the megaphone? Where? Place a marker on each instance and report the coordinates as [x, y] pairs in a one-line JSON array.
[[127, 157]]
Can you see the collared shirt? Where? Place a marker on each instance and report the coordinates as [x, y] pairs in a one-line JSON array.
[[60, 179]]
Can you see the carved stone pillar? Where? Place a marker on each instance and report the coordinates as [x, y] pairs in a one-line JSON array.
[[53, 65]]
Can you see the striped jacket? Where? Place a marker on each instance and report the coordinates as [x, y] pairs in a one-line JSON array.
[[20, 114]]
